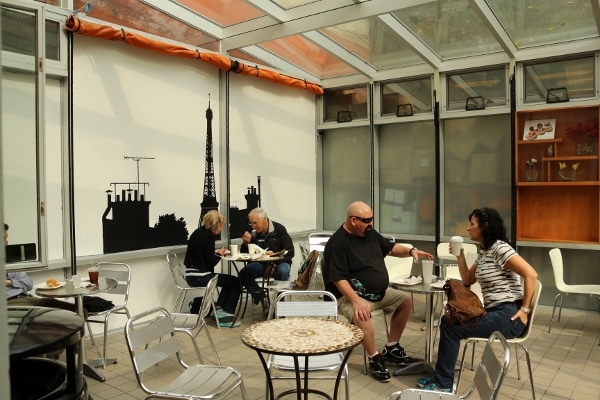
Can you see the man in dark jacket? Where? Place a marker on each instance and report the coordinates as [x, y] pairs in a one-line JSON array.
[[273, 237]]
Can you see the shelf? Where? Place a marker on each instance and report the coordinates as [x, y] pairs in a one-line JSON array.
[[540, 141], [569, 158], [564, 183]]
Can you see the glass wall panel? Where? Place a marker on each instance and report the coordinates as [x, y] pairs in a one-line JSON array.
[[407, 178], [416, 92], [491, 85], [577, 75], [18, 31], [55, 187], [346, 172], [350, 102], [477, 168]]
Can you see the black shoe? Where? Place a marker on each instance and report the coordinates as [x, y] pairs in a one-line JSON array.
[[256, 300], [396, 355], [378, 369]]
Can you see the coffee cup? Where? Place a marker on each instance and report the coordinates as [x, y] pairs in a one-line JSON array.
[[427, 266], [93, 273], [456, 242], [234, 249]]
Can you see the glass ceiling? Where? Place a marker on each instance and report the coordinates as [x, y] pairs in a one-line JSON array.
[[327, 41]]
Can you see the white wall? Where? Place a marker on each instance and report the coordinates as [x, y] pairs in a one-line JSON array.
[[137, 103]]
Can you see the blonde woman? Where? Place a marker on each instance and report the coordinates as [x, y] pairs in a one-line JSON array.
[[202, 257]]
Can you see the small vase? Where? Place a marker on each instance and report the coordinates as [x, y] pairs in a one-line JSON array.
[[532, 174], [567, 174], [584, 148]]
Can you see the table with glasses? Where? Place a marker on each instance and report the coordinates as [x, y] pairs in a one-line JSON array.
[[34, 331], [426, 366], [302, 338], [86, 288], [266, 284]]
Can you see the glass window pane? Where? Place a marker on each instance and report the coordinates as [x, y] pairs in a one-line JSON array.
[[346, 172], [577, 75], [18, 31], [407, 178], [52, 40], [416, 92], [351, 100], [477, 153], [55, 187], [491, 85], [19, 157]]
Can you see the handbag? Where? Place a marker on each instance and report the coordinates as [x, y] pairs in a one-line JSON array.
[[462, 305]]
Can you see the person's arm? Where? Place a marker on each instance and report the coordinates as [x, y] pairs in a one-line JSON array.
[[402, 251], [19, 280], [518, 264], [467, 272], [362, 310], [288, 244]]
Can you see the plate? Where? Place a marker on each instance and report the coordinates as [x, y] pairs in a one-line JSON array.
[[43, 286], [244, 257], [408, 281]]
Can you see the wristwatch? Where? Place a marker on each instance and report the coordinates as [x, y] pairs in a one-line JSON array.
[[526, 310], [411, 250]]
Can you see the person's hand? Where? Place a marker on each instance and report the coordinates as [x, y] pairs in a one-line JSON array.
[[8, 282], [362, 311], [523, 316], [222, 251], [246, 237], [269, 253]]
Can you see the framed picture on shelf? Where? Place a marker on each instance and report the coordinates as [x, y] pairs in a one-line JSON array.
[[539, 129]]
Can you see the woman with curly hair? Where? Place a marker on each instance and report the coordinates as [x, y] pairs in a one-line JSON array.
[[499, 270]]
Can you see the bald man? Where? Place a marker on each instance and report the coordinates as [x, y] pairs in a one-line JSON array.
[[354, 271]]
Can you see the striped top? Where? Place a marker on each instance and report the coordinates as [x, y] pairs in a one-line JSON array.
[[498, 283]]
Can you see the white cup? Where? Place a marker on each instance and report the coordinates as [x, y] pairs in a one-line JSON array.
[[456, 242], [76, 281], [427, 266], [234, 249]]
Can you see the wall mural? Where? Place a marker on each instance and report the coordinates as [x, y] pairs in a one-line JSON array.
[[129, 229]]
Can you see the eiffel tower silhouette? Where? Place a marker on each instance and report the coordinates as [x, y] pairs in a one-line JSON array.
[[209, 200]]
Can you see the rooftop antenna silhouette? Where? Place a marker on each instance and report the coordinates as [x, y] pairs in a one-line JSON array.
[[137, 160]]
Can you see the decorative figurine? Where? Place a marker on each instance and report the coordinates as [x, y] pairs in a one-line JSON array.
[[550, 150]]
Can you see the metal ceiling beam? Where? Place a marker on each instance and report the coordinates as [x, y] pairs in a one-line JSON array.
[[491, 22], [305, 19], [187, 16], [271, 9], [418, 46], [341, 52], [278, 63]]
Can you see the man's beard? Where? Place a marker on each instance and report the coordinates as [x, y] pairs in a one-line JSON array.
[[367, 230]]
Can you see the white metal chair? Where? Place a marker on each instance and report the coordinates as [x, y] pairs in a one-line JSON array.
[[318, 240], [189, 323], [563, 288], [303, 250], [119, 296], [487, 381], [515, 341], [151, 339], [296, 305], [178, 273]]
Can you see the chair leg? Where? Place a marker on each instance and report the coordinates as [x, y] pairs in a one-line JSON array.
[[212, 344], [90, 333], [528, 366], [462, 364], [104, 340], [554, 309]]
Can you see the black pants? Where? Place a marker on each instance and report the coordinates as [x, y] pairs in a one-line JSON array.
[[229, 293]]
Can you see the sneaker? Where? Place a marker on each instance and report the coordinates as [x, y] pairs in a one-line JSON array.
[[396, 355], [435, 387], [378, 369], [422, 382]]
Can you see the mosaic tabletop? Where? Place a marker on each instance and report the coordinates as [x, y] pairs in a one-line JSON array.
[[302, 336]]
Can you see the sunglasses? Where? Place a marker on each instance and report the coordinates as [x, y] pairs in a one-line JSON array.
[[365, 220]]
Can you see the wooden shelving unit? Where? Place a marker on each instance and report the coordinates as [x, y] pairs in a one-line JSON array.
[[555, 205]]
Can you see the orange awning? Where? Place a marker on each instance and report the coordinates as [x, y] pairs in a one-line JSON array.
[[224, 63]]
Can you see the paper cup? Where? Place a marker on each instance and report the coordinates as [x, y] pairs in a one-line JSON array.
[[456, 242], [76, 281], [234, 249], [427, 266]]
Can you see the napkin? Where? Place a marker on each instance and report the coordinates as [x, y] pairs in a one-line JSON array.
[[409, 280], [438, 284]]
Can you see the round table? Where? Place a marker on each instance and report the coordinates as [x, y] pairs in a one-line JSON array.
[[302, 337], [68, 290], [34, 331]]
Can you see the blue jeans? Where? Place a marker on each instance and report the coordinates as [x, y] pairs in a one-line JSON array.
[[496, 319], [254, 270]]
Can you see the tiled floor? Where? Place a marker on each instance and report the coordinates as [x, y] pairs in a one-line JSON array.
[[566, 362]]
